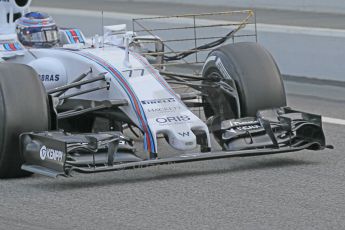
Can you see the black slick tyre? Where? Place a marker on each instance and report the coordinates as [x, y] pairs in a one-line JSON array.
[[254, 75], [23, 108]]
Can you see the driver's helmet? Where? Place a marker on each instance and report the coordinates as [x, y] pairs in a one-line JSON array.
[[36, 29]]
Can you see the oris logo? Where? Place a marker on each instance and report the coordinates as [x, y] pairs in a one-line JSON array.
[[169, 120], [51, 154]]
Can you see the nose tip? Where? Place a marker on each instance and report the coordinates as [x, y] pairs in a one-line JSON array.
[[182, 139]]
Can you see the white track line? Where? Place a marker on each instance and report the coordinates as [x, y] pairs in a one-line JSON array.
[[312, 31], [334, 121]]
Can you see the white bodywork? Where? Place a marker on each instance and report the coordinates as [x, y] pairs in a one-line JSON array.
[[152, 105], [10, 7]]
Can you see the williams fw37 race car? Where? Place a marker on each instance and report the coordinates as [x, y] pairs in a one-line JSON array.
[[68, 103]]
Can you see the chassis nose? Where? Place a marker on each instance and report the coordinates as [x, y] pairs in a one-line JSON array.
[[181, 139]]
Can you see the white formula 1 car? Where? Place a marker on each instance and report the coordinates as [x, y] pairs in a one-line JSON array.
[[64, 109]]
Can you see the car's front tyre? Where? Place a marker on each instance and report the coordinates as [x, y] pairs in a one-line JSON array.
[[23, 108]]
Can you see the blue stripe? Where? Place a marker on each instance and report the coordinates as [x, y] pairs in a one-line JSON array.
[[139, 104], [129, 95], [18, 47], [81, 40], [7, 47], [70, 37]]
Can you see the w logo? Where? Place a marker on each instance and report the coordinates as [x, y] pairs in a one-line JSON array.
[[184, 134]]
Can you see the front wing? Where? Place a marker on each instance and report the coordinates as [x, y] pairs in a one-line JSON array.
[[275, 131]]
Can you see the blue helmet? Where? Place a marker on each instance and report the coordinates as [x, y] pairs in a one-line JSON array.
[[38, 30]]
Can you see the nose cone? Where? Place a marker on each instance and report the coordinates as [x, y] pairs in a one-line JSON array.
[[181, 138]]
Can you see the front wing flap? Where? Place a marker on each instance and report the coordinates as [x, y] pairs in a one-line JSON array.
[[275, 129]]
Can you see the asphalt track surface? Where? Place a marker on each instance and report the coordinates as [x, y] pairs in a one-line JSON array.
[[303, 190]]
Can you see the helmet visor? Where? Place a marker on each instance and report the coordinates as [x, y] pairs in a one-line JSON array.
[[39, 36]]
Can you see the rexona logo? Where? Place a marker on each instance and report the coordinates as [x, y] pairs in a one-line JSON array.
[[158, 101], [51, 154], [245, 125], [49, 77], [176, 119]]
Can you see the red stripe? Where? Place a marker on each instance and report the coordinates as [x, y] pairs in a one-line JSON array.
[[144, 126], [137, 108], [12, 46], [74, 35]]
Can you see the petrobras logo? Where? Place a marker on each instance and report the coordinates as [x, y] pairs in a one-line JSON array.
[[158, 101], [49, 77], [50, 154]]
